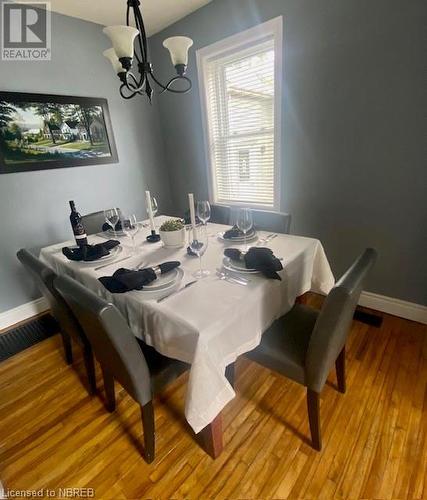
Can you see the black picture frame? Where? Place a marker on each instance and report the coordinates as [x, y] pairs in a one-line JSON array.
[[14, 98]]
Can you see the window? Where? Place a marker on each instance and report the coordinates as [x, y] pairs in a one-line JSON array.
[[240, 85]]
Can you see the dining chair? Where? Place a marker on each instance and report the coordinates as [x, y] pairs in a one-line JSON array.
[[304, 344], [69, 327], [220, 214], [94, 221], [275, 222], [138, 368]]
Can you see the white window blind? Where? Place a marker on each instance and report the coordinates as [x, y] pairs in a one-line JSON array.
[[239, 98]]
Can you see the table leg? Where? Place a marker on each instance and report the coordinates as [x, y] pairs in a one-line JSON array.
[[211, 437]]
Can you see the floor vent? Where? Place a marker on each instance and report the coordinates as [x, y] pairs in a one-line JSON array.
[[368, 318], [24, 336]]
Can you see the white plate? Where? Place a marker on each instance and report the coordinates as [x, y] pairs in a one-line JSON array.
[[237, 266], [114, 253], [178, 275], [237, 240], [163, 280], [116, 234]]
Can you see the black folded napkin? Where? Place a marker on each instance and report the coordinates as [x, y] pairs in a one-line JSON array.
[[90, 252], [107, 227], [235, 232], [261, 259], [125, 280]]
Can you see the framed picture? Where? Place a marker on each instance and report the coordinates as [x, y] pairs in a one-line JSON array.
[[40, 131]]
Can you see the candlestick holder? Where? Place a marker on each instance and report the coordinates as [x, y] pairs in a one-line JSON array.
[[153, 237]]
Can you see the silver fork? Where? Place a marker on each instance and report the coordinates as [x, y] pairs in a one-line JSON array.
[[268, 238], [226, 277]]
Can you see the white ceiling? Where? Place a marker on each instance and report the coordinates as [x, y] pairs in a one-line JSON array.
[[157, 14]]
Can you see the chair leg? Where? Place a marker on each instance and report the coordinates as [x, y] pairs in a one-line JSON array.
[[230, 373], [68, 349], [109, 390], [147, 415], [313, 405], [90, 369], [340, 369]]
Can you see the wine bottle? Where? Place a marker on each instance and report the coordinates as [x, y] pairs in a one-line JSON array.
[[77, 225]]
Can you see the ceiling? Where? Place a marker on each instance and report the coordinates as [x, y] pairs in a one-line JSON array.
[[158, 14]]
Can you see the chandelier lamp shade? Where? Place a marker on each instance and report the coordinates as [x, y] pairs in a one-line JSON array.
[[125, 54]]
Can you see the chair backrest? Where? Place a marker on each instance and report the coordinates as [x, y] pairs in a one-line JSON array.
[[276, 222], [112, 341], [220, 214], [44, 277], [94, 221], [333, 323]]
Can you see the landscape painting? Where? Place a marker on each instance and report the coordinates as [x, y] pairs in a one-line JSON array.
[[39, 131]]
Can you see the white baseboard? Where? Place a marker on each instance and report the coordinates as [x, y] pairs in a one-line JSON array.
[[396, 307], [21, 313]]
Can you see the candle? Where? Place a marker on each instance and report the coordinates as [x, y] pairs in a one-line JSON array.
[[192, 214], [150, 210]]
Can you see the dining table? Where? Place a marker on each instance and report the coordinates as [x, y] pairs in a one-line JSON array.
[[212, 322]]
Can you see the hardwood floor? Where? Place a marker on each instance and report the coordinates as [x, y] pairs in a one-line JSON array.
[[53, 435]]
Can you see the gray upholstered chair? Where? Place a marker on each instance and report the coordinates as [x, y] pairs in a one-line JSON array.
[[138, 368], [69, 327], [94, 221], [304, 344], [220, 214], [276, 222]]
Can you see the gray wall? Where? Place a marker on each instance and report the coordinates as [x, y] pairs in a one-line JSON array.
[[34, 206], [354, 163]]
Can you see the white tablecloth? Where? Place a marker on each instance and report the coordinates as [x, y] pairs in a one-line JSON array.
[[213, 322]]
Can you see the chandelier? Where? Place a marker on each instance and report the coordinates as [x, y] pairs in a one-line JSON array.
[[122, 55]]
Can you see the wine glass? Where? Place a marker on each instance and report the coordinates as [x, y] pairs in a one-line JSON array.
[[154, 206], [199, 245], [244, 221], [203, 211], [130, 227], [112, 218]]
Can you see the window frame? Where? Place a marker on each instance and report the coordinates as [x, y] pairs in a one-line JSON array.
[[239, 41]]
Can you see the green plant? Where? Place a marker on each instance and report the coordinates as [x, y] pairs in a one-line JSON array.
[[172, 225]]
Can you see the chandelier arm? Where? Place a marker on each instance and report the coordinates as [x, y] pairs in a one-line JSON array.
[[170, 82], [133, 84], [129, 96], [128, 24], [142, 41], [142, 33]]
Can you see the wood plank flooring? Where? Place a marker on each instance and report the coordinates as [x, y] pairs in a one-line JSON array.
[[53, 435]]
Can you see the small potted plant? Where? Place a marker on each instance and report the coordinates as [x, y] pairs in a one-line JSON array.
[[172, 233]]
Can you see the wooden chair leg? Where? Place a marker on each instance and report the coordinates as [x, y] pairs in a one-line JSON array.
[[340, 369], [68, 349], [90, 369], [230, 373], [147, 415], [109, 390], [313, 405]]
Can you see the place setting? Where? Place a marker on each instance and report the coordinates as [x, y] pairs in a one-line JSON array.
[[156, 279], [254, 261], [242, 231]]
